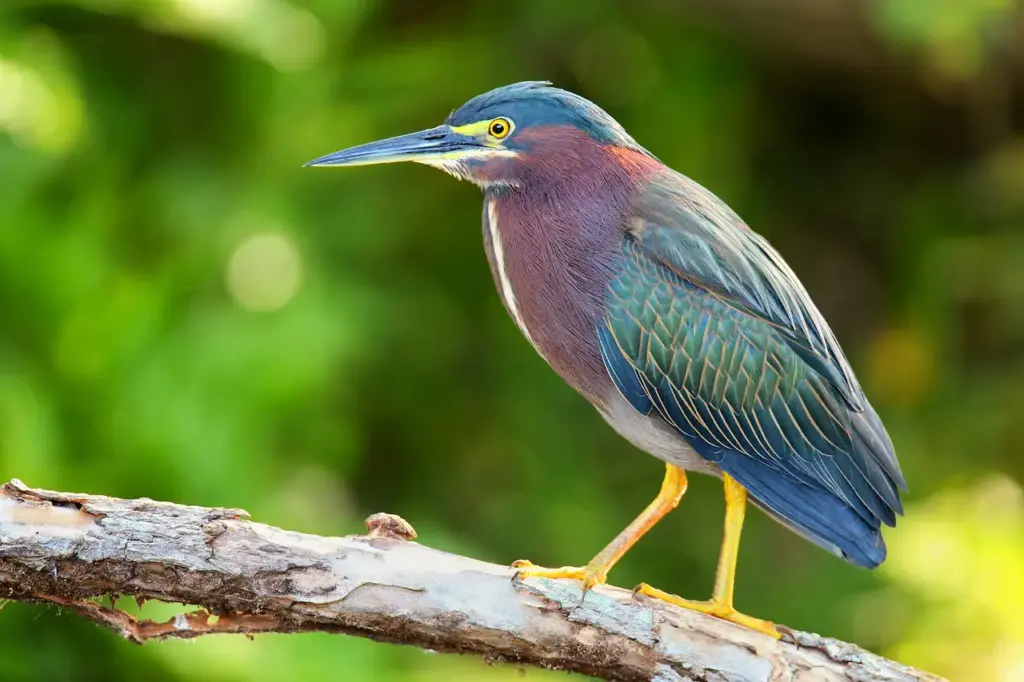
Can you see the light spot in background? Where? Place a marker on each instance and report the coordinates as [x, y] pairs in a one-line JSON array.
[[902, 366], [264, 272], [1010, 662], [37, 109], [961, 554], [286, 37], [953, 37]]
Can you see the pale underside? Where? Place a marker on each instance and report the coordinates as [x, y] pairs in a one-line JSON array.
[[653, 435]]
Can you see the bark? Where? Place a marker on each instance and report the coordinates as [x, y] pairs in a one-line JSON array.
[[247, 577]]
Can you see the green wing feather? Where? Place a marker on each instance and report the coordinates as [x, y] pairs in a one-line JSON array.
[[692, 232]]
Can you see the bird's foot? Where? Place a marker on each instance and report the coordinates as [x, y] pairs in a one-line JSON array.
[[713, 608], [587, 575]]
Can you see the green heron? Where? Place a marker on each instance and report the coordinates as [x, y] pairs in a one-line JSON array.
[[684, 328]]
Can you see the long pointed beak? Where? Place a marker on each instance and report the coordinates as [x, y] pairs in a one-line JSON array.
[[435, 144]]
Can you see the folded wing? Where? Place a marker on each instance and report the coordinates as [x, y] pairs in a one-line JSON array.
[[709, 329]]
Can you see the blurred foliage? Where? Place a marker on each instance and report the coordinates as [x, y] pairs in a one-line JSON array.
[[189, 315]]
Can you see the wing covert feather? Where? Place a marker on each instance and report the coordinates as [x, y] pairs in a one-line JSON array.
[[696, 235]]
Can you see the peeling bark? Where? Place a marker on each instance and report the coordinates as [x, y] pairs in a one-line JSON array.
[[249, 578]]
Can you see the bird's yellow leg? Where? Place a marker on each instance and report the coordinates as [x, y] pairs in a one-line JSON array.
[[596, 572], [720, 604]]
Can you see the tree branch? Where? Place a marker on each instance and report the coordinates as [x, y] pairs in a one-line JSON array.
[[247, 577]]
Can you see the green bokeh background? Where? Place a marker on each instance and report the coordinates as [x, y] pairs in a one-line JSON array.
[[187, 314]]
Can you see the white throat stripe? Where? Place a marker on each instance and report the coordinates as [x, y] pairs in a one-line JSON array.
[[499, 260]]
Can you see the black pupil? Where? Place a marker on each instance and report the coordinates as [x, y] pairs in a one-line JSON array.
[[498, 128]]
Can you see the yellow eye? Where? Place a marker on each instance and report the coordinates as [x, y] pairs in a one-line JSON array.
[[499, 128]]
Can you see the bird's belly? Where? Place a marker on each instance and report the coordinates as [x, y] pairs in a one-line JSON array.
[[653, 436]]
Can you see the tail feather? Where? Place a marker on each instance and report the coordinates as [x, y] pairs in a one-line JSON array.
[[810, 511]]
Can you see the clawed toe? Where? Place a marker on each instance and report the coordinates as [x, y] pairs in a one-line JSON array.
[[714, 608], [588, 577]]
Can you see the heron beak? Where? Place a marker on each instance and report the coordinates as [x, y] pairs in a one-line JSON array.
[[434, 146]]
